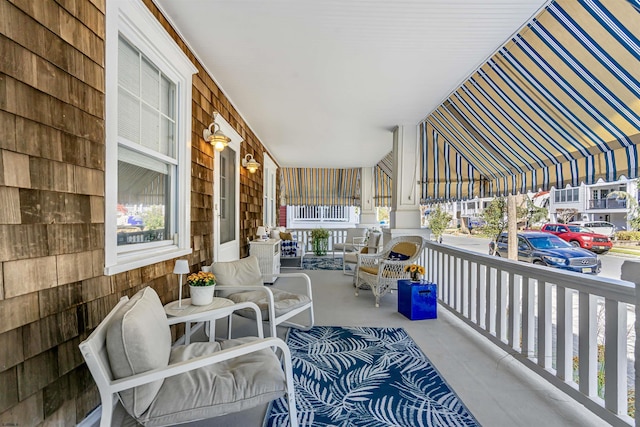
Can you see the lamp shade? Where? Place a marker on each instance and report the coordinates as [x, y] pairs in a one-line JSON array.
[[261, 231], [181, 267]]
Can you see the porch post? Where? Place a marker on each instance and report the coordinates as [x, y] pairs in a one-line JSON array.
[[631, 271], [368, 217], [404, 217]]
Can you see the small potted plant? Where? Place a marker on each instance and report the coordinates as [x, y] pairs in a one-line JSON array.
[[320, 241], [201, 287], [415, 271]]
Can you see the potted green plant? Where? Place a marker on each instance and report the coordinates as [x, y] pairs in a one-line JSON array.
[[320, 241], [201, 287]]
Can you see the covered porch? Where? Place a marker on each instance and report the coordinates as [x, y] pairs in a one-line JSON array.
[[553, 104], [490, 380]]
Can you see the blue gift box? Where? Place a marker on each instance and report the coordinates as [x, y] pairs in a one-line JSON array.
[[418, 300]]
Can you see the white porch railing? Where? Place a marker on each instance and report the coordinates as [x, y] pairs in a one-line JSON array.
[[336, 235], [554, 322], [319, 213]]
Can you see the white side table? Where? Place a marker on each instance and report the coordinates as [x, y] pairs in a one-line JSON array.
[[268, 254], [197, 313]]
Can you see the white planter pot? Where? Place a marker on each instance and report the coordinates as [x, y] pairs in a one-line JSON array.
[[201, 295]]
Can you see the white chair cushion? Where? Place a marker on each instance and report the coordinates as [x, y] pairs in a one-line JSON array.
[[217, 389], [139, 340], [283, 302], [242, 272], [351, 257]]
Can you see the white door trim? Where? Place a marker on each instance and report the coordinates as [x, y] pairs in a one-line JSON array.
[[228, 251]]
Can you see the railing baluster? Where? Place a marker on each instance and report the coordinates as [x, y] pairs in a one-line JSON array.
[[564, 363], [587, 346], [514, 311], [615, 354], [457, 280], [470, 285], [491, 301], [528, 317], [481, 296], [544, 324], [501, 300]]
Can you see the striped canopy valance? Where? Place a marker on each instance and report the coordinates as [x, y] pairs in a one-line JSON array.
[[382, 175], [320, 186], [558, 105]]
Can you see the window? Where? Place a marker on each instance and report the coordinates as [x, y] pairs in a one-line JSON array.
[[566, 195], [148, 123], [227, 195]]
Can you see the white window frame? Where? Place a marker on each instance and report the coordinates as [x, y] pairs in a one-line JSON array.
[[134, 21]]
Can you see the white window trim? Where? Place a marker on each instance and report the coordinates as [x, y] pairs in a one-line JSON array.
[[133, 20]]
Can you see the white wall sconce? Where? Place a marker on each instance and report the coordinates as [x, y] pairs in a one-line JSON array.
[[181, 267], [250, 163], [214, 135]]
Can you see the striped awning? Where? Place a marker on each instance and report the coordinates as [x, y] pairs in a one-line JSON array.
[[382, 175], [320, 186], [557, 105]]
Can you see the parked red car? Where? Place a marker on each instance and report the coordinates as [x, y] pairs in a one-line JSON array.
[[580, 236]]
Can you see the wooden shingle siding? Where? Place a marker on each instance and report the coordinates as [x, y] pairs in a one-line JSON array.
[[53, 292]]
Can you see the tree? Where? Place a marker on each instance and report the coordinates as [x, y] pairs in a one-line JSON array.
[[495, 218], [535, 213], [565, 215], [438, 222], [153, 218], [632, 208]]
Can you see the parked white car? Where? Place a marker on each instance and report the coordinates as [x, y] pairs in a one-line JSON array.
[[600, 227]]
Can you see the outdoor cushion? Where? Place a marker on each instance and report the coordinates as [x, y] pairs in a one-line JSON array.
[[369, 270], [283, 302], [139, 340], [396, 256], [405, 249], [286, 236], [242, 272], [223, 388]]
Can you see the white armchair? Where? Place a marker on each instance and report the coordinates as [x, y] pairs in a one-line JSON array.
[[372, 246], [353, 241], [131, 360], [241, 281], [380, 271]]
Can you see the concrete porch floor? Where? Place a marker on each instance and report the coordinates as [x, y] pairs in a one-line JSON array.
[[495, 387]]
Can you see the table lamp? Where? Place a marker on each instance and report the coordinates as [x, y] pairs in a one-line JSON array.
[[181, 267], [262, 231]]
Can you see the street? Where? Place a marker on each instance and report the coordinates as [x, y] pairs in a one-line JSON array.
[[611, 263]]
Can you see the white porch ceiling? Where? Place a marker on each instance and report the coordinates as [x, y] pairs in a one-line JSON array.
[[323, 83]]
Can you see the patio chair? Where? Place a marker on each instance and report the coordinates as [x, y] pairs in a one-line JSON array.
[[241, 281], [382, 270], [132, 362], [353, 241], [373, 244]]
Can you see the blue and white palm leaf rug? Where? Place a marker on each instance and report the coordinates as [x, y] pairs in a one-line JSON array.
[[358, 376], [321, 263]]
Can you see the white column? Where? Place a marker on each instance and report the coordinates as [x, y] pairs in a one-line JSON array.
[[404, 217], [368, 217]]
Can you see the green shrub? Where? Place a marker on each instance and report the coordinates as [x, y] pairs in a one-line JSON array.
[[628, 235]]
